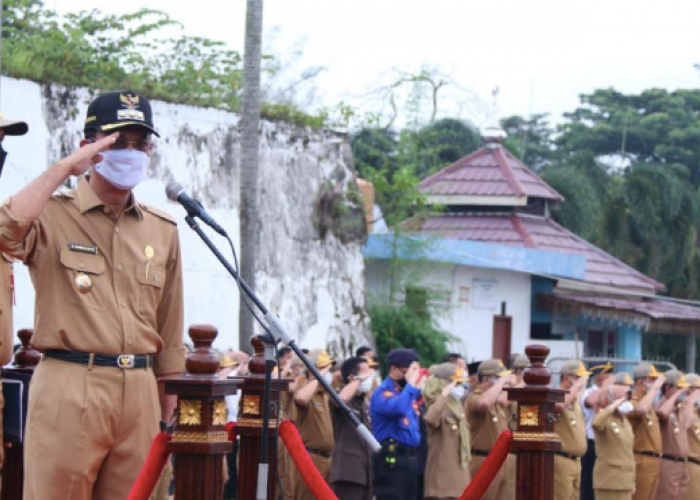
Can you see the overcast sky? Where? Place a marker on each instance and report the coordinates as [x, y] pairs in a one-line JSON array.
[[541, 54]]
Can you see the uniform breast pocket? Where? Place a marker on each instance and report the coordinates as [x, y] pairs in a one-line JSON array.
[[84, 278], [150, 281]]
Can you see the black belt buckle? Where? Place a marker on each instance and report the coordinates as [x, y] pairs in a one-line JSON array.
[[126, 361]]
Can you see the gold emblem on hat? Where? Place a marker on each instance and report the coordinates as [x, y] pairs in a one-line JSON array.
[[149, 252], [129, 101], [83, 283]]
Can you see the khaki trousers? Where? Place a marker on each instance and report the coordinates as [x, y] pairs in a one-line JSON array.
[[503, 485], [693, 492], [301, 492], [673, 482], [646, 477], [88, 432], [612, 495], [567, 478]]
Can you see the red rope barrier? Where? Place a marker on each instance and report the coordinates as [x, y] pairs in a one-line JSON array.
[[312, 477], [488, 470], [152, 469]]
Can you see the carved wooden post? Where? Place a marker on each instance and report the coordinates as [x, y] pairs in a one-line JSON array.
[[534, 439], [24, 362], [199, 440], [250, 424]]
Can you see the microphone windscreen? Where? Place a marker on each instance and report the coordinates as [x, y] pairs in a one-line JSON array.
[[173, 189]]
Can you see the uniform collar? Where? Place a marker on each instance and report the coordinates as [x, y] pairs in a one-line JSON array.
[[87, 199]]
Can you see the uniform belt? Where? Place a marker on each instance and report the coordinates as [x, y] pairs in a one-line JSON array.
[[123, 361], [648, 454], [321, 453], [568, 455], [480, 453], [393, 448], [694, 461], [674, 458]]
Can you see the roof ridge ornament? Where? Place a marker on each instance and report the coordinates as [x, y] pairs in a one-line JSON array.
[[492, 134]]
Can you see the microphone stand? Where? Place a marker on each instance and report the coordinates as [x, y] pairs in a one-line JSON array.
[[278, 333]]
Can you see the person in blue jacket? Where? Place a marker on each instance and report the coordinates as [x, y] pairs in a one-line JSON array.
[[395, 412]]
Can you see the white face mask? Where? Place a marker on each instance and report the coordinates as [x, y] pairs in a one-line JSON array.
[[625, 408], [328, 377], [458, 392], [123, 168], [365, 386]]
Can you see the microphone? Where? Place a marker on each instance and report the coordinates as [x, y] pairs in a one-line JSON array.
[[176, 192]]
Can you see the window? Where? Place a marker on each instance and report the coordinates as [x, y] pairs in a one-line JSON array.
[[543, 331], [417, 300]]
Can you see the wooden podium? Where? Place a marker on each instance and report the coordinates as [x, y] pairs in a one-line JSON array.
[[534, 439]]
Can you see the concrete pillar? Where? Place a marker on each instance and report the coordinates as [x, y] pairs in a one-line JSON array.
[[690, 353]]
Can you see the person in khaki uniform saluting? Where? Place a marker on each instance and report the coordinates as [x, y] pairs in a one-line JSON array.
[[571, 429], [351, 467], [7, 284], [693, 466], [613, 474], [647, 431], [675, 420], [447, 471], [312, 416], [488, 414], [109, 312]]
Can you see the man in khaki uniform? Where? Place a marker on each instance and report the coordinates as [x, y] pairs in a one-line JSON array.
[[613, 475], [693, 492], [571, 429], [673, 481], [109, 312], [7, 284], [647, 432], [488, 416], [313, 419]]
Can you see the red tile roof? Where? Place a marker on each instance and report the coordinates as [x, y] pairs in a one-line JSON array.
[[655, 309], [540, 233], [490, 171]]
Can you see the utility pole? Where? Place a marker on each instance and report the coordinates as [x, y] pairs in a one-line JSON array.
[[250, 139]]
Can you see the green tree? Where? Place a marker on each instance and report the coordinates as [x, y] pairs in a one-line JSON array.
[[531, 140], [443, 142], [655, 126]]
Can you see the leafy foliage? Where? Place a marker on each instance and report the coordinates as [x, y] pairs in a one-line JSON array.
[[400, 326], [108, 52], [530, 140]]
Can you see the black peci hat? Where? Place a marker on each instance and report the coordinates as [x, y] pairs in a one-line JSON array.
[[115, 110]]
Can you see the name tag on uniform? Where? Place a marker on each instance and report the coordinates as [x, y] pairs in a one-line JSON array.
[[78, 247]]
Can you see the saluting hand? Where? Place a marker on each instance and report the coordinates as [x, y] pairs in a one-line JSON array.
[[79, 162], [659, 382], [448, 388]]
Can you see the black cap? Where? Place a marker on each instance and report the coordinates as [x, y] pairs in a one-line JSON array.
[[115, 110], [402, 357], [473, 367]]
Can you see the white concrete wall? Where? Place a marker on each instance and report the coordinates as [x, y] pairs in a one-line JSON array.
[[316, 285], [469, 321]]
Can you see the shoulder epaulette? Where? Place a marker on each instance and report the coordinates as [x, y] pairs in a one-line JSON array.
[[159, 213]]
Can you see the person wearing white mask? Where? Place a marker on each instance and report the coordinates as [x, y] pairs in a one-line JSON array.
[[613, 475], [107, 273], [675, 420], [351, 464], [313, 419], [449, 445], [571, 429], [647, 431]]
